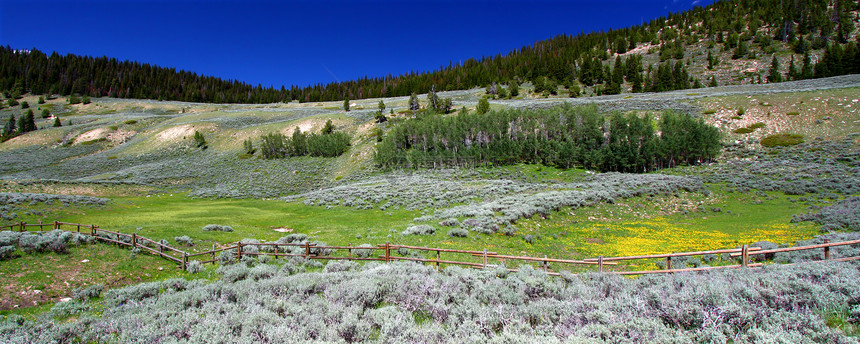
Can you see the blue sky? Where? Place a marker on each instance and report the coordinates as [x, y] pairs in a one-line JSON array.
[[276, 43]]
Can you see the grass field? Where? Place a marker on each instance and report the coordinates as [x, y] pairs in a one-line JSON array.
[[36, 279], [639, 225]]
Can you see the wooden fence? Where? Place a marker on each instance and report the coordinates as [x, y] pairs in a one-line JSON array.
[[475, 259]]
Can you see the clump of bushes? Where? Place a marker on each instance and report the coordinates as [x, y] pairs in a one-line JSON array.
[[749, 129], [419, 230], [184, 240], [56, 241], [782, 140], [458, 232], [218, 228], [407, 302], [86, 293]]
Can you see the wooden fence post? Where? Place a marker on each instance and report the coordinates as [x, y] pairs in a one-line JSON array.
[[239, 251], [184, 260], [387, 252], [23, 226], [213, 253], [600, 263], [545, 264], [93, 230], [79, 228], [349, 250], [56, 224], [669, 263], [485, 259], [827, 250], [307, 250], [133, 239], [745, 255], [438, 254]]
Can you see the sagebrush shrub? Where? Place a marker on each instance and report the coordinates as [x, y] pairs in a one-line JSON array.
[[419, 230], [86, 293]]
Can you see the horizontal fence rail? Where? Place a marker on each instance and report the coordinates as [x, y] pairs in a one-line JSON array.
[[382, 252]]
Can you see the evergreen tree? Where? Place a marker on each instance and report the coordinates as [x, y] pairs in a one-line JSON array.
[[85, 99], [199, 140], [712, 61], [806, 69], [41, 100], [300, 143], [25, 105], [10, 126], [381, 106], [413, 102], [57, 123], [13, 102], [328, 128], [23, 126], [792, 70], [514, 88], [433, 99], [248, 147], [773, 74], [74, 99], [346, 104], [713, 82], [483, 106], [46, 113]]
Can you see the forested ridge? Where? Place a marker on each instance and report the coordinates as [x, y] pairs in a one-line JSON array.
[[566, 60]]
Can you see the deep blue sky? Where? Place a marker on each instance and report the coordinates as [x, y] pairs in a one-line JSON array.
[[307, 42]]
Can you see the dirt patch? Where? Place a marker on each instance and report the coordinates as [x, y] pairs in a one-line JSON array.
[[95, 134], [176, 133], [594, 241]]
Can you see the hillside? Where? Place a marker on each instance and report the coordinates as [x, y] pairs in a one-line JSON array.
[[726, 43]]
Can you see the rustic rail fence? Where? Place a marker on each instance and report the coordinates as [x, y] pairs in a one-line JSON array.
[[479, 259]]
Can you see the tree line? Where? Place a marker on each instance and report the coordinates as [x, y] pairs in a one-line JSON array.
[[563, 59], [327, 143], [563, 136]]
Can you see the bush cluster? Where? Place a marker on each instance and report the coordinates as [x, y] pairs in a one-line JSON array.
[[56, 241], [219, 228], [844, 215], [407, 302]]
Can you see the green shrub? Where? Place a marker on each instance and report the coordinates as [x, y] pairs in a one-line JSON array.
[[749, 129], [130, 122], [782, 140], [709, 112], [793, 113]]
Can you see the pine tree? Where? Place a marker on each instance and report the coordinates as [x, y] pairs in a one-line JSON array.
[[85, 99], [346, 104], [514, 88], [713, 82], [46, 113], [773, 74], [328, 128], [483, 106], [30, 120], [433, 99], [806, 69], [23, 126], [381, 106], [792, 70], [57, 123], [199, 140], [25, 105], [413, 102], [41, 100], [10, 127]]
